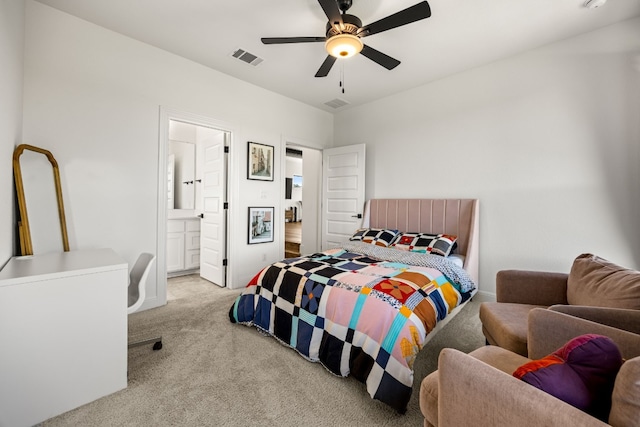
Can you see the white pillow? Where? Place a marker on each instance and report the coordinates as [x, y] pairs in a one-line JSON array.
[[457, 259]]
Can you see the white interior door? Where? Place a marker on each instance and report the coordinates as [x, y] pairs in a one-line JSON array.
[[343, 175], [213, 223]]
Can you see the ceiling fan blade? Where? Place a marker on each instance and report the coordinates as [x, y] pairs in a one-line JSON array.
[[380, 58], [411, 14], [283, 40], [326, 66], [332, 11]]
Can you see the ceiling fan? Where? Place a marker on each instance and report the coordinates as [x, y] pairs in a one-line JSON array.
[[344, 31]]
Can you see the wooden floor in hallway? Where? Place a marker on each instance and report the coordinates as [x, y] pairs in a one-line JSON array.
[[292, 239]]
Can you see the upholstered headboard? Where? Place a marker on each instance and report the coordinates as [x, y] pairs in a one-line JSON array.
[[459, 217]]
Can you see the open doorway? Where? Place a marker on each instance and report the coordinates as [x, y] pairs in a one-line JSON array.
[[303, 171], [197, 184], [192, 217], [293, 213]]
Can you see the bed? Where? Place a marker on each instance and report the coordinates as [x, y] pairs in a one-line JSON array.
[[367, 308]]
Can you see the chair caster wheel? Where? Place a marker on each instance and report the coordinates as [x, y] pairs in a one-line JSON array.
[[157, 346]]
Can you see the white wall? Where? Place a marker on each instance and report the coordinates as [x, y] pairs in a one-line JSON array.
[[93, 97], [547, 140], [11, 53]]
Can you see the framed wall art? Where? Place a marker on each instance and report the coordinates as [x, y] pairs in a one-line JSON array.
[[260, 225], [260, 162]]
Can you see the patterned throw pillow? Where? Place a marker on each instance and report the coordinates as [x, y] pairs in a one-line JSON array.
[[375, 236], [437, 244], [581, 373]]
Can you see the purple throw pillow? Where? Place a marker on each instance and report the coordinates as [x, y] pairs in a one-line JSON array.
[[581, 373]]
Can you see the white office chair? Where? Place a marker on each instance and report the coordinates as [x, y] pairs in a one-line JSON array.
[[137, 291]]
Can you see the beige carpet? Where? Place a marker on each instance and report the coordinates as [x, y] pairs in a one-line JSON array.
[[211, 372]]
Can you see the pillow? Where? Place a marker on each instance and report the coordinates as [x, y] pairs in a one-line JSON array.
[[581, 373], [594, 281], [437, 244], [375, 236], [457, 259]]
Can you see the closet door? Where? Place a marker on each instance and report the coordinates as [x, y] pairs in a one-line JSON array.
[[343, 174]]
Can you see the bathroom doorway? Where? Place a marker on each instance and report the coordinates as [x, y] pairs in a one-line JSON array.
[[193, 219]]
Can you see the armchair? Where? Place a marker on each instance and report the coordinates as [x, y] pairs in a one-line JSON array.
[[595, 289], [480, 386]]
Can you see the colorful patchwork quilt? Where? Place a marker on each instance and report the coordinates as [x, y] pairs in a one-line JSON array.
[[356, 314]]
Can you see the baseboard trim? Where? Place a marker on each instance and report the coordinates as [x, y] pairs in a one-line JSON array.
[[182, 273], [484, 296]]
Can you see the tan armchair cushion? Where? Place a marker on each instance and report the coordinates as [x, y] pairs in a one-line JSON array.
[[625, 402], [505, 324], [550, 330], [594, 281], [620, 318]]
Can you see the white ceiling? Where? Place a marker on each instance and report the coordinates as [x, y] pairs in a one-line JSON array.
[[459, 35]]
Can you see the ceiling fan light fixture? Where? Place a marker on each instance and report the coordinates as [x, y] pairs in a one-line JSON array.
[[343, 45]]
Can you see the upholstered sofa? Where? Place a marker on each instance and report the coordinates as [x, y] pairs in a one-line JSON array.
[[594, 289], [479, 389]]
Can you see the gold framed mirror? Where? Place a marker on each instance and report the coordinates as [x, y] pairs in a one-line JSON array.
[[42, 224]]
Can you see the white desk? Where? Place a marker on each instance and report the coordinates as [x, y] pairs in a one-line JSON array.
[[63, 333]]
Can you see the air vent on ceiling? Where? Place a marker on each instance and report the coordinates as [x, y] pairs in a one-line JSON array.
[[336, 103], [247, 57]]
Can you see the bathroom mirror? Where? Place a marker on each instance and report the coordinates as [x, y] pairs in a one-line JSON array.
[[42, 223], [182, 164]]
